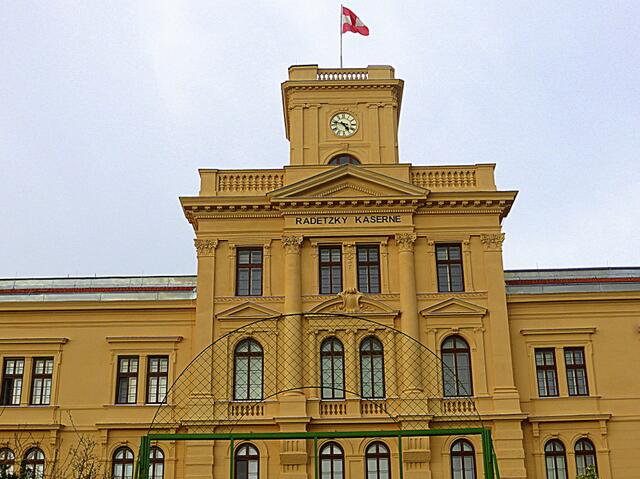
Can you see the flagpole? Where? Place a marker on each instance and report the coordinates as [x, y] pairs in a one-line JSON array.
[[340, 35]]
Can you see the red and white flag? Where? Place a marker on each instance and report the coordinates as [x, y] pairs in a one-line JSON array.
[[351, 23]]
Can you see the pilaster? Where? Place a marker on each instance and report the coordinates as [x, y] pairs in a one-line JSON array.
[[204, 327]]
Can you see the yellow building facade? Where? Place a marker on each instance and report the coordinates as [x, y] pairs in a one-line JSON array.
[[394, 309]]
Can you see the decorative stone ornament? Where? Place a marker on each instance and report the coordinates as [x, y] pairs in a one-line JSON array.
[[292, 244], [405, 241], [205, 247], [492, 241]]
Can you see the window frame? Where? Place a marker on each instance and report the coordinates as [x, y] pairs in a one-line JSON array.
[[249, 355], [331, 457], [368, 265], [448, 263], [543, 369], [372, 354], [343, 159], [463, 454], [574, 369], [584, 453], [331, 265], [238, 457], [333, 355], [43, 377], [250, 266], [158, 375], [124, 462], [7, 461], [456, 351], [129, 375], [156, 461], [555, 454], [12, 377], [37, 464], [377, 456]]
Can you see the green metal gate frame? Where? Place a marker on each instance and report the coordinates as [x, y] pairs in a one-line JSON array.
[[489, 460]]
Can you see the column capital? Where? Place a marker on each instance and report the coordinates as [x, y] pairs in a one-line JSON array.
[[292, 244], [405, 241], [492, 242], [205, 247]]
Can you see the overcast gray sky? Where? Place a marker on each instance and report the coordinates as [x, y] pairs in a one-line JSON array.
[[108, 109]]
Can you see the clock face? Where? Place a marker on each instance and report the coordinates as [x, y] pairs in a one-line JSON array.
[[343, 124]]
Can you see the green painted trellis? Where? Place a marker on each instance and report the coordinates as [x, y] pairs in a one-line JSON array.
[[217, 418], [489, 460]]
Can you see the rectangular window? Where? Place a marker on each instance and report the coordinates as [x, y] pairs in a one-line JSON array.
[[41, 381], [157, 379], [249, 272], [449, 268], [546, 373], [127, 380], [576, 372], [369, 269], [13, 372], [330, 269]]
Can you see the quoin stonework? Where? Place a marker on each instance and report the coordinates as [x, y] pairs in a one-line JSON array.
[[351, 290]]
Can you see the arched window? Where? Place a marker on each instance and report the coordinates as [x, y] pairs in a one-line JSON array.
[[122, 467], [33, 463], [463, 460], [555, 460], [371, 368], [344, 159], [7, 461], [378, 461], [247, 462], [156, 463], [332, 369], [456, 367], [247, 382], [331, 461], [585, 455]]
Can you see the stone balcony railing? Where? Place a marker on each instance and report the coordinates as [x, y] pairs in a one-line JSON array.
[[440, 178], [342, 74], [259, 182]]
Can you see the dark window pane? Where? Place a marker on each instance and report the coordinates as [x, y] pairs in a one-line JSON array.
[[449, 268]]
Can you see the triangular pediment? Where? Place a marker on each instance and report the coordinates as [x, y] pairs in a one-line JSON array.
[[454, 307], [247, 310], [348, 181]]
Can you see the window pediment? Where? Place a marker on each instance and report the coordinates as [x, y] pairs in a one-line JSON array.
[[348, 181], [247, 310], [454, 307]]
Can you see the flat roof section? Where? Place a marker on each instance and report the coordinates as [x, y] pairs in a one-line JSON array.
[[119, 288], [156, 288], [572, 280]]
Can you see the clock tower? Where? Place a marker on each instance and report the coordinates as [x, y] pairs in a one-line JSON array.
[[347, 113]]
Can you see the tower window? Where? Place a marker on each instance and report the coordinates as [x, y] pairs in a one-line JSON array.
[[344, 159], [369, 269], [249, 272], [449, 267], [248, 364], [332, 369], [330, 269], [456, 367]]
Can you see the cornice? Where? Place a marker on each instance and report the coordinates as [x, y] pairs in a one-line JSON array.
[[33, 340], [109, 305], [518, 298], [144, 339], [556, 331]]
